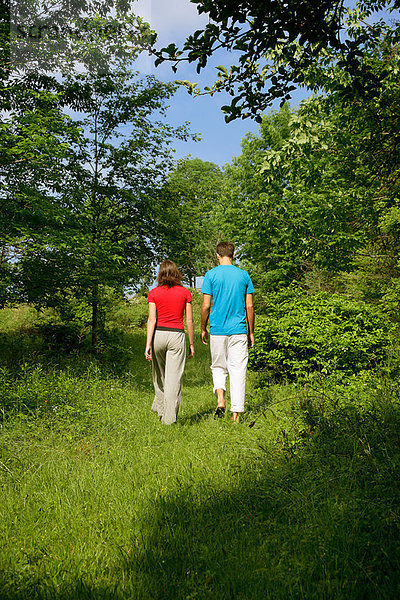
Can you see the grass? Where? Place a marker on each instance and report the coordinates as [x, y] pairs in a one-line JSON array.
[[100, 500]]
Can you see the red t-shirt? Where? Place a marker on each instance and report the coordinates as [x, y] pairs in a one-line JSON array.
[[170, 304]]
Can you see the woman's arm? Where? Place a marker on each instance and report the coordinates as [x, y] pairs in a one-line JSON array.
[[190, 327], [151, 325]]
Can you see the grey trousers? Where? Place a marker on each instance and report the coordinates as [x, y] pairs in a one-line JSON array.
[[168, 363]]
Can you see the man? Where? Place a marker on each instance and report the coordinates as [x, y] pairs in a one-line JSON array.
[[231, 327]]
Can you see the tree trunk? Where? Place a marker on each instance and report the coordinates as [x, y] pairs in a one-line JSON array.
[[95, 316]]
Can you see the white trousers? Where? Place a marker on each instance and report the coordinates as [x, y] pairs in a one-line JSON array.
[[229, 355]]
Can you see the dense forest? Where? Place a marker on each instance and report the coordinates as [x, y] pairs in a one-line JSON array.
[[305, 493]]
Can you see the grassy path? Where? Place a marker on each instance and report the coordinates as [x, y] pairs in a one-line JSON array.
[[99, 500]]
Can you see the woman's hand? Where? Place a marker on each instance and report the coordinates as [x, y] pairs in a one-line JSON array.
[[147, 352], [191, 350]]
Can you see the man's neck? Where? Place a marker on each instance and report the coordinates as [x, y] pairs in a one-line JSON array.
[[224, 260]]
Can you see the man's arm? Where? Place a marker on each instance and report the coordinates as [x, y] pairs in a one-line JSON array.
[[205, 313], [250, 319]]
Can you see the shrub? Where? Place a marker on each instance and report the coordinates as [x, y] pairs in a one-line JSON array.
[[65, 337], [300, 334], [131, 314]]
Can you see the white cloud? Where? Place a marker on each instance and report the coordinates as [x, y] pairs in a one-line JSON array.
[[173, 20]]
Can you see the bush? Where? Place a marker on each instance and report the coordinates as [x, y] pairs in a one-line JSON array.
[[300, 334], [65, 337], [131, 314]]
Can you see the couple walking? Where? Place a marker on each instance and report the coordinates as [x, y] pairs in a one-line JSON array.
[[228, 302]]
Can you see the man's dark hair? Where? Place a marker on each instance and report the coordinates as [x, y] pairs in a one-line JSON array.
[[226, 249]]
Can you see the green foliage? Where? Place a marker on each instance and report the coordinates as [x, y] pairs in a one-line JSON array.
[[187, 216], [83, 154], [96, 35], [81, 199], [39, 393], [105, 220], [318, 188], [17, 319], [276, 47], [131, 314], [250, 203], [60, 337], [37, 131], [325, 333]]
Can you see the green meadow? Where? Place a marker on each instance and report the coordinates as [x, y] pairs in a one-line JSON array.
[[300, 500]]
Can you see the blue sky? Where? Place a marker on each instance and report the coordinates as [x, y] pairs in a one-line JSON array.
[[173, 21]]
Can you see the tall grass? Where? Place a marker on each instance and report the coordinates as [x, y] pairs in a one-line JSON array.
[[100, 500]]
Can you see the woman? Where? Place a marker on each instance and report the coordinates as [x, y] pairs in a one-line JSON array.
[[166, 344]]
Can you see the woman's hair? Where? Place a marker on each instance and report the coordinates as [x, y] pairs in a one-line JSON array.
[[168, 274]]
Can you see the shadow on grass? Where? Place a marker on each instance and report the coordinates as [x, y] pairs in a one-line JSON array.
[[320, 520], [196, 417], [35, 380], [119, 352], [316, 520]]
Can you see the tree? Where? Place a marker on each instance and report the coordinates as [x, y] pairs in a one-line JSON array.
[[276, 43], [82, 154], [319, 187], [98, 36], [251, 206], [189, 232], [104, 213], [36, 133], [35, 141]]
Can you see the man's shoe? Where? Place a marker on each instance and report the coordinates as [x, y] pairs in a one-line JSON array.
[[219, 412]]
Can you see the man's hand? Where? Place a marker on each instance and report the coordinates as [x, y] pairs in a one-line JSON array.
[[204, 336], [147, 352], [250, 340], [191, 350]]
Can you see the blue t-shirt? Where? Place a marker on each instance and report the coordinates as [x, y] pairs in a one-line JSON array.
[[228, 286]]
